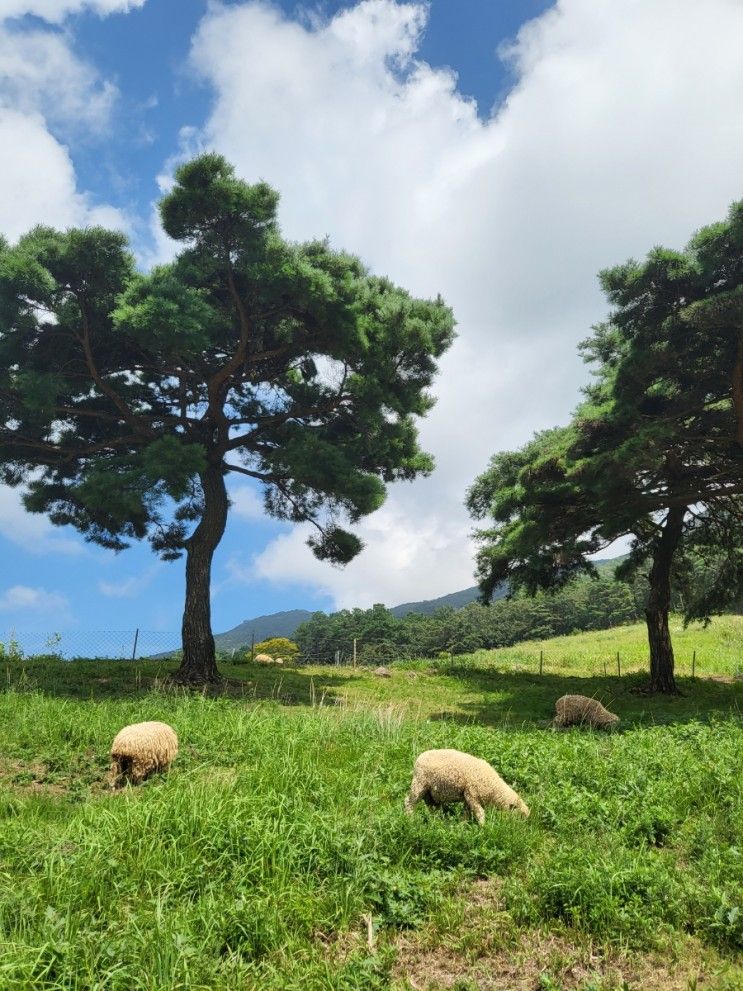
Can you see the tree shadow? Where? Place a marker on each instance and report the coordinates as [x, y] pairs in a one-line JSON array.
[[489, 696], [521, 698], [102, 680]]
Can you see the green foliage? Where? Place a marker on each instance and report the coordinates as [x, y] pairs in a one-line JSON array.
[[11, 651], [278, 647], [584, 605], [651, 452], [126, 398], [214, 359]]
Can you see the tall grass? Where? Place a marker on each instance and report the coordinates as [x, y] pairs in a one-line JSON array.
[[279, 837]]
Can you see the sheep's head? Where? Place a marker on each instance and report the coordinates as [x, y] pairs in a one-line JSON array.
[[521, 807]]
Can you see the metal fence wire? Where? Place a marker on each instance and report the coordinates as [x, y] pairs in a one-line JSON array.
[[104, 644], [129, 645]]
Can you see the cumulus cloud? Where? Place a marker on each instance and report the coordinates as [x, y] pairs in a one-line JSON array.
[[56, 10], [40, 74], [38, 174], [49, 96], [621, 130], [39, 601], [131, 587], [32, 531], [246, 503], [396, 549]]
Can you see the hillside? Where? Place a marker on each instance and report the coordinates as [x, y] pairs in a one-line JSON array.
[[278, 624], [284, 624]]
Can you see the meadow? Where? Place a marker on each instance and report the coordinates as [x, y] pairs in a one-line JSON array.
[[276, 854]]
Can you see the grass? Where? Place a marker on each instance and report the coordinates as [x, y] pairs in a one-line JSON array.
[[275, 854]]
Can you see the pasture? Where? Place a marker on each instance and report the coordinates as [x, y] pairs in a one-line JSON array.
[[276, 855]]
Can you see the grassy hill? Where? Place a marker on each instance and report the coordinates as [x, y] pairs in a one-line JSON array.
[[276, 855]]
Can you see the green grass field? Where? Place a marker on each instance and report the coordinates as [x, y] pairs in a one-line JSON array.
[[276, 855]]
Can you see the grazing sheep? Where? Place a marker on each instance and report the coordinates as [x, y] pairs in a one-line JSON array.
[[140, 749], [263, 659], [382, 672], [444, 776], [578, 709]]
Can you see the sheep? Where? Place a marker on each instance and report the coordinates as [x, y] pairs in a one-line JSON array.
[[140, 749], [444, 776], [263, 659], [382, 672], [571, 709]]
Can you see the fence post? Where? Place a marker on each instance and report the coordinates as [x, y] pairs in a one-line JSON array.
[[134, 648], [354, 651], [541, 660], [619, 669], [252, 648]]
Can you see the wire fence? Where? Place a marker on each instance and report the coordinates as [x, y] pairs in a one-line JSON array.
[[139, 645], [104, 644]]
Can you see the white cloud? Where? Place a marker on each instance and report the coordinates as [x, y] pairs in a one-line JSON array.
[[33, 531], [395, 550], [48, 96], [56, 10], [622, 130], [131, 587], [246, 503], [23, 598], [40, 74], [37, 173]]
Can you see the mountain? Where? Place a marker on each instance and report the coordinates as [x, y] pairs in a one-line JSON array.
[[455, 600], [284, 624], [277, 624]]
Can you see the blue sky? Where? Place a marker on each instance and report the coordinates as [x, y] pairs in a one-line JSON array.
[[498, 152]]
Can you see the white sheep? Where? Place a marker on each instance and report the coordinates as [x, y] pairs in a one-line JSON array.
[[444, 776], [583, 711], [266, 659], [140, 749]]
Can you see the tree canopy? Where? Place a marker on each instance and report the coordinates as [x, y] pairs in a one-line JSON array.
[[126, 398], [652, 453]]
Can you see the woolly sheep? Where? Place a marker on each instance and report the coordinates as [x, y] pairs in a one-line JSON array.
[[572, 709], [140, 749], [382, 672], [263, 659], [444, 776]]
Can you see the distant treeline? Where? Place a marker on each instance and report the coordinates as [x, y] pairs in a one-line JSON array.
[[588, 604]]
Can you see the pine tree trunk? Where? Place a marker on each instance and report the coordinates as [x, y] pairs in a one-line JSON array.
[[199, 664], [738, 395], [659, 604]]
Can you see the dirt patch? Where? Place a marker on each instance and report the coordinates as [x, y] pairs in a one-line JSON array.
[[29, 777], [34, 777], [486, 953], [539, 960]]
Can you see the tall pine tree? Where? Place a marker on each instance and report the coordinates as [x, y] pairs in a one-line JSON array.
[[127, 399], [653, 453]]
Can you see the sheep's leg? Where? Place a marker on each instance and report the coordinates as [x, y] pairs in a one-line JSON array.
[[416, 793], [115, 774], [139, 771], [472, 803]]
